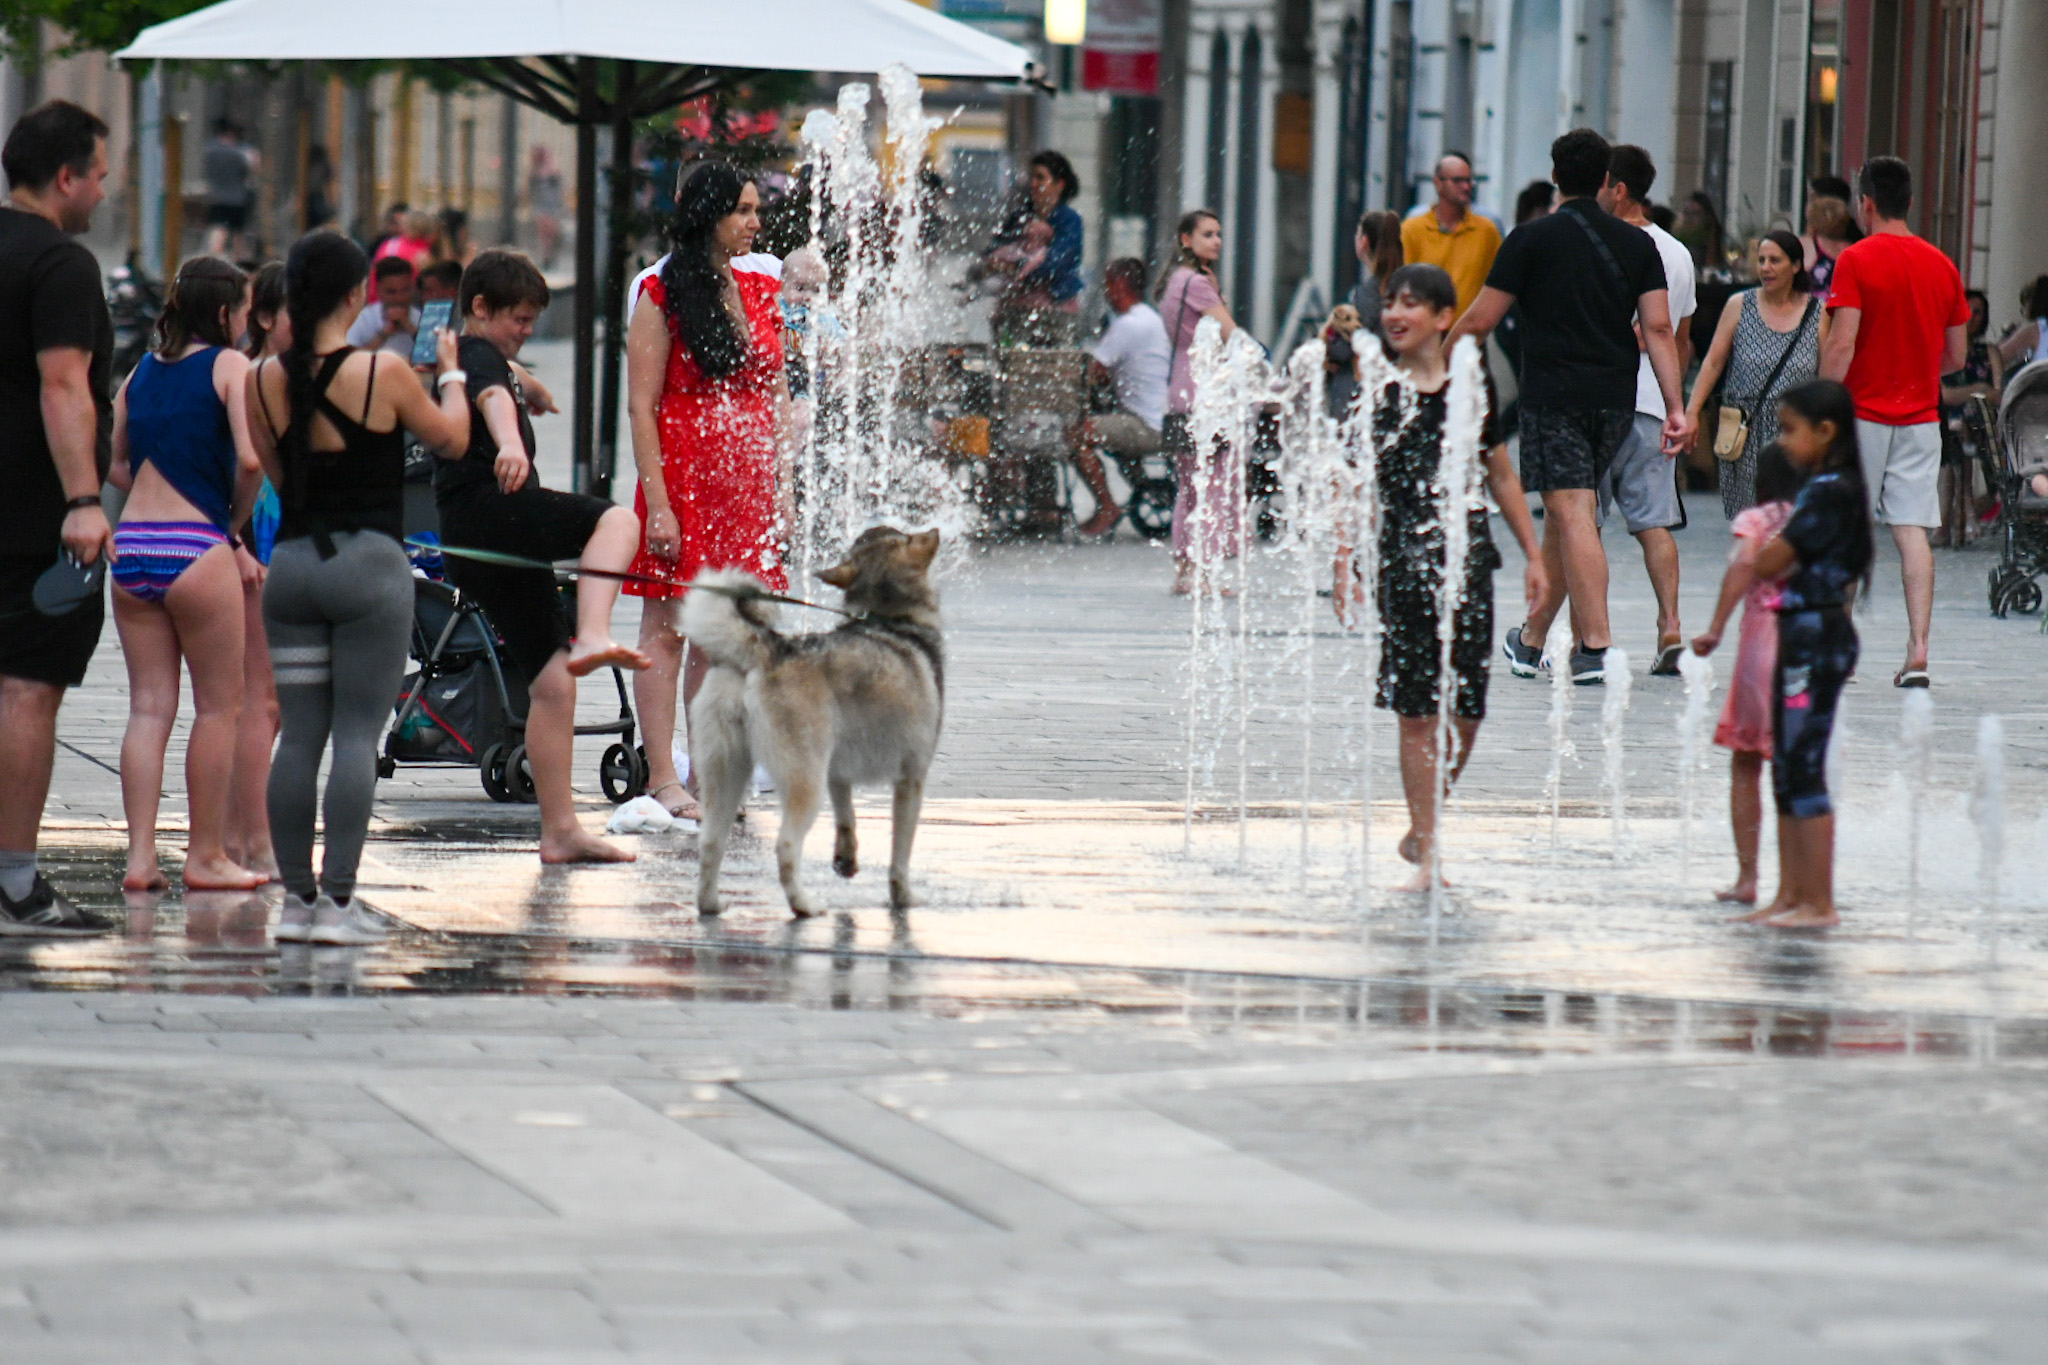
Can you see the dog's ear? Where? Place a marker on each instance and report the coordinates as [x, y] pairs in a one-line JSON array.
[[840, 575], [924, 547]]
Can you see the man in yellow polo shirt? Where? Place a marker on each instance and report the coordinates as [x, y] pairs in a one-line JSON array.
[[1451, 234]]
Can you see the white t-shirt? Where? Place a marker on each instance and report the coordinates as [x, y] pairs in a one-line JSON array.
[[1678, 282], [1137, 355], [760, 262], [370, 321]]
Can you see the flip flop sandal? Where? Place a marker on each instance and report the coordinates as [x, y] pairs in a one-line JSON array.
[[1667, 660], [656, 794], [1910, 677]]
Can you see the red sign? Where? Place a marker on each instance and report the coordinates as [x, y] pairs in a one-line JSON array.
[[1121, 52], [1120, 73]]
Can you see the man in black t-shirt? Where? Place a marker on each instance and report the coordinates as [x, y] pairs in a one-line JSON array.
[[1582, 278], [490, 500], [56, 348]]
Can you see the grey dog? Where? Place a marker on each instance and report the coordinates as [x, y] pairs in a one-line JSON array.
[[857, 706]]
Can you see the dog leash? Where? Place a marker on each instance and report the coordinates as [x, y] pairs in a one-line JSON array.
[[506, 561]]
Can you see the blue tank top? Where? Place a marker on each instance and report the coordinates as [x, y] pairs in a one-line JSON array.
[[177, 423]]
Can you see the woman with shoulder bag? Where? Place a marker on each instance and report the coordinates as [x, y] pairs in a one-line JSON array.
[[1768, 341]]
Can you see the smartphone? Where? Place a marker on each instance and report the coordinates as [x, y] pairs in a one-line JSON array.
[[434, 315]]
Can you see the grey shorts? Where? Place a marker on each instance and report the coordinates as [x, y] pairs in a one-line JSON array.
[[1125, 433], [1902, 470], [1640, 480], [1570, 448]]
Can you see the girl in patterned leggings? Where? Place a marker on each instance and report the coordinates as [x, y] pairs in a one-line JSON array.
[[1824, 552]]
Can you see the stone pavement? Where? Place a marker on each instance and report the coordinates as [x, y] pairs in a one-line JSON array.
[[1097, 1099]]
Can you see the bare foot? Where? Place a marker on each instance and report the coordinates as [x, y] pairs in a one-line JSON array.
[[581, 846], [1420, 881], [1741, 893], [220, 874], [144, 876], [1183, 582], [1807, 917], [1758, 916], [1411, 848], [587, 656]]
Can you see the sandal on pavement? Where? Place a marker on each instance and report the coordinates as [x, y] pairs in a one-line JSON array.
[[1667, 660], [1910, 677], [687, 810]]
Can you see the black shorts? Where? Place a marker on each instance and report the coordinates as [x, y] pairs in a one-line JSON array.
[[1567, 448], [44, 649], [525, 605], [1411, 655], [233, 217], [1816, 654]]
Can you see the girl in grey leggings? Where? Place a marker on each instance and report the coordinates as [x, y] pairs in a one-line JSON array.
[[338, 629], [329, 424]]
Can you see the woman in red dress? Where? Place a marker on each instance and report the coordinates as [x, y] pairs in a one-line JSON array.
[[709, 400]]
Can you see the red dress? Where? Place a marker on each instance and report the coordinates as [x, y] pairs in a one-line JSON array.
[[718, 455]]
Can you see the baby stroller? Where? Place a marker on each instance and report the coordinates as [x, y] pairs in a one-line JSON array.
[[461, 709], [2019, 436]]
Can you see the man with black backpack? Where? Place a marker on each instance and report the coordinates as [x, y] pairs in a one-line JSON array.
[[1583, 279]]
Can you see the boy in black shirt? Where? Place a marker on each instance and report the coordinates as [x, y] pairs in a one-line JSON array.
[[490, 500], [1583, 278]]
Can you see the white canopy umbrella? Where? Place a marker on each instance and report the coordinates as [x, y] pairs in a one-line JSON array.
[[591, 63]]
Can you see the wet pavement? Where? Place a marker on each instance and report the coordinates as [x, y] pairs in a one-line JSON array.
[[1109, 1092]]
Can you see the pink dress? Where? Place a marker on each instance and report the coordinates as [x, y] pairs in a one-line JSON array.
[[1746, 718], [1190, 293]]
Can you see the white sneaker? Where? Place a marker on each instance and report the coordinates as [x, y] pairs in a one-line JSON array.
[[295, 922], [350, 924]]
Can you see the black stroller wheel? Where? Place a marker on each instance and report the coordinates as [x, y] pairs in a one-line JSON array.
[[491, 768], [1151, 508], [519, 776], [2024, 597], [622, 773]]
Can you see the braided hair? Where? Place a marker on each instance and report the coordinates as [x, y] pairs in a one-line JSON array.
[[322, 270], [694, 288]]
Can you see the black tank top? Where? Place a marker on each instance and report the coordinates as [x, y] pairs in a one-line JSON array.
[[360, 487]]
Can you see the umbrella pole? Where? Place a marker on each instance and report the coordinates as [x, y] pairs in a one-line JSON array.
[[617, 242], [586, 274]]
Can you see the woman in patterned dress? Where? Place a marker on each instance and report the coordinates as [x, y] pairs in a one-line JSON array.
[[1777, 320], [709, 399]]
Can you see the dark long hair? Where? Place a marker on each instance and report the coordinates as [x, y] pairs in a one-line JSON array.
[[695, 289], [206, 287], [1824, 400], [322, 270], [1189, 221], [1795, 252], [266, 296]]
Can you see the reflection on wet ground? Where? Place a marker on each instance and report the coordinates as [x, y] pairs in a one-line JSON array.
[[483, 918]]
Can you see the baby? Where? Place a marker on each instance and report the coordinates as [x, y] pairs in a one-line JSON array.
[[1027, 253]]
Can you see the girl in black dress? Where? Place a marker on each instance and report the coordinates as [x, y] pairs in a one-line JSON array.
[[1408, 443]]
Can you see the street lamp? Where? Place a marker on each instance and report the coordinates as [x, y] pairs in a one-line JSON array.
[[1066, 21]]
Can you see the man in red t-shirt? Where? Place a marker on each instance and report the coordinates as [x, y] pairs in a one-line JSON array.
[[1899, 322]]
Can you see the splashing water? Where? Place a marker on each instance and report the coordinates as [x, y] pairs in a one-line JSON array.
[[1697, 671], [1916, 760], [867, 451], [1457, 495], [1557, 648], [1613, 750]]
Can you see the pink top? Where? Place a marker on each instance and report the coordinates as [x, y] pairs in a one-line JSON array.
[[1189, 293], [1753, 526]]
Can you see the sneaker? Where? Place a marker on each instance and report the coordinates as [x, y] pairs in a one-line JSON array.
[[1589, 666], [1523, 660], [44, 913], [295, 921], [349, 924]]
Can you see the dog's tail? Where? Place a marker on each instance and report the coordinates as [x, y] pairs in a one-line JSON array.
[[730, 624]]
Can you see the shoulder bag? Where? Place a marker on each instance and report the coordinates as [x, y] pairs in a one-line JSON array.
[[1731, 432]]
